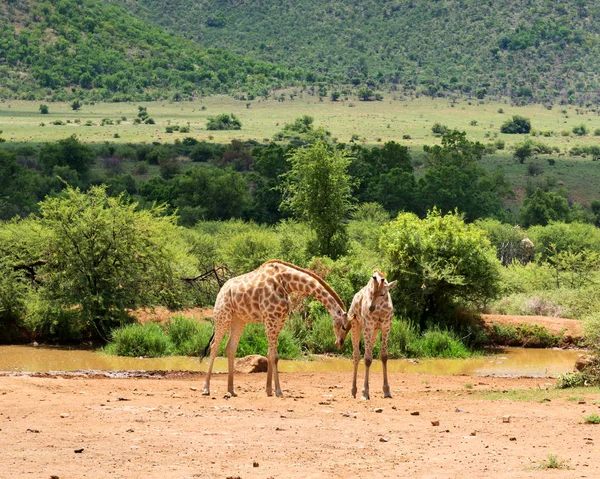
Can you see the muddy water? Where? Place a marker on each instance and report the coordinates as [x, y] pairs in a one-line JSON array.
[[507, 362]]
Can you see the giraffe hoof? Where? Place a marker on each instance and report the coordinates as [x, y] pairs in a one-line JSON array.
[[387, 396], [365, 398], [206, 392]]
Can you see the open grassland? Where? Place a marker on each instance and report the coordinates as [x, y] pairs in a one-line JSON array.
[[371, 123]]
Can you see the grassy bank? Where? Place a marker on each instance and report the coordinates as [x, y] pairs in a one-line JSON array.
[[186, 337]]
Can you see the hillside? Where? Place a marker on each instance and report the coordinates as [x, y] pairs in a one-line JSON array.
[[88, 48], [532, 50]]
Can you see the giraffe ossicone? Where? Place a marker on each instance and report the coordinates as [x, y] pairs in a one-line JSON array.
[[263, 296]]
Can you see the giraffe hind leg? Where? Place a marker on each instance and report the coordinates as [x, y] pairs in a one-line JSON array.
[[221, 328]]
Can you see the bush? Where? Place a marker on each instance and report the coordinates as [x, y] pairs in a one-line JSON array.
[[438, 129], [440, 261], [149, 340], [223, 122], [516, 125], [580, 130], [439, 344], [44, 110], [187, 336]]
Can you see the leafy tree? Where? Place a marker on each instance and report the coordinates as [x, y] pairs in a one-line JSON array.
[[524, 151], [439, 261], [317, 190], [68, 152], [516, 125], [542, 207], [365, 93], [223, 122], [18, 187], [106, 256], [76, 105], [44, 110], [453, 179]]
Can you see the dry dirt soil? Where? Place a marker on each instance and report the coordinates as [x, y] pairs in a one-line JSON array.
[[159, 425]]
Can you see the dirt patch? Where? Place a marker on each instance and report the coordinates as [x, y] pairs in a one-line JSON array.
[[162, 315], [572, 328], [435, 426]]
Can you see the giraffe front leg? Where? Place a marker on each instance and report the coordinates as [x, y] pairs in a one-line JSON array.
[[355, 332], [369, 340], [384, 358]]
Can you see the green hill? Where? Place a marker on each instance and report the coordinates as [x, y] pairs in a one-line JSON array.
[[538, 50], [87, 48]]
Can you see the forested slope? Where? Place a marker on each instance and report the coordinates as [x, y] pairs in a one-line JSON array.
[[529, 49], [89, 48]]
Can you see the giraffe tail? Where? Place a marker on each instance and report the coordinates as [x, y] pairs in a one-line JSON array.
[[205, 352]]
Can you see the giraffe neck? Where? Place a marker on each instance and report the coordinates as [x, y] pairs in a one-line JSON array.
[[300, 282]]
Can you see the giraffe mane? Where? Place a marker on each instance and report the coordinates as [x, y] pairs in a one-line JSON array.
[[315, 276]]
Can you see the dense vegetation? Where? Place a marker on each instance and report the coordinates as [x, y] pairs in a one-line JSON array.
[[90, 49], [75, 264], [531, 50]]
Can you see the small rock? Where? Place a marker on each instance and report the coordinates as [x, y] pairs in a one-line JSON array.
[[130, 430], [458, 410], [506, 418], [435, 423], [415, 413], [54, 476], [64, 415], [255, 464], [193, 388], [378, 409], [227, 395], [383, 439], [79, 451], [33, 430], [513, 439], [123, 399], [474, 433]]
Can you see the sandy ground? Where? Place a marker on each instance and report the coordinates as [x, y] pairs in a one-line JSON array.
[[435, 427]]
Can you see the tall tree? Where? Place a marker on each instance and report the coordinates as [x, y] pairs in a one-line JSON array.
[[317, 190]]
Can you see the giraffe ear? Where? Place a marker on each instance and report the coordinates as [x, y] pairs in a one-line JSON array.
[[392, 284]]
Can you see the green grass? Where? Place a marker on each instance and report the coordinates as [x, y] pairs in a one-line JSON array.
[[553, 462], [373, 122], [592, 419], [537, 395]]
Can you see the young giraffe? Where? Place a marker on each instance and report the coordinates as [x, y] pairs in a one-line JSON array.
[[371, 310], [262, 296]]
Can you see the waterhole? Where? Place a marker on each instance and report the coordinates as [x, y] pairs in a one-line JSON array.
[[504, 362]]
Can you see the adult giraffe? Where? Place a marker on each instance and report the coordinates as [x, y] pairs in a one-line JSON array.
[[262, 296], [371, 310]]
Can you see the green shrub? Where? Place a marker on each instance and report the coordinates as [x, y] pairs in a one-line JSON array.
[[254, 341], [516, 125], [440, 261], [223, 122], [570, 380], [435, 343], [187, 336], [134, 340], [592, 419]]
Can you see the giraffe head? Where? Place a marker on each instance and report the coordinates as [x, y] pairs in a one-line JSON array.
[[341, 326], [378, 289]]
